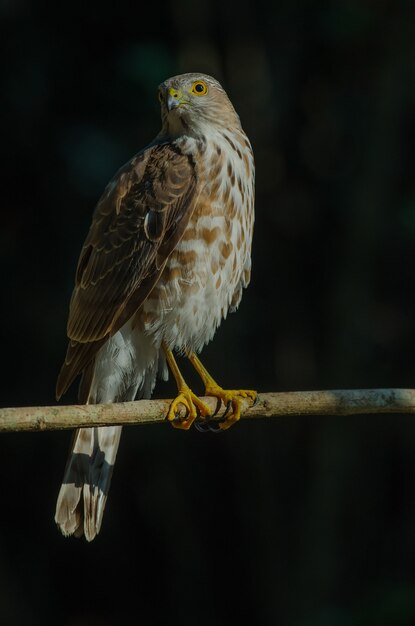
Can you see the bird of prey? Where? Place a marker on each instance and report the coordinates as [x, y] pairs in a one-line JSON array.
[[166, 257]]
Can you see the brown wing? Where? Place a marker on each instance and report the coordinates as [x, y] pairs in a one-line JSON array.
[[136, 224]]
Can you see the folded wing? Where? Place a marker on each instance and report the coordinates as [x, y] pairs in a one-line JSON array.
[[136, 225]]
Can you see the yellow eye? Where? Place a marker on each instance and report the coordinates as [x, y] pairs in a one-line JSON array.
[[199, 88]]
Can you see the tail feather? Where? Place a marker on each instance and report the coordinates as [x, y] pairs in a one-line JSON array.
[[126, 366], [86, 481]]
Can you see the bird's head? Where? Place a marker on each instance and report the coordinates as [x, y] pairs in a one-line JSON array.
[[190, 103]]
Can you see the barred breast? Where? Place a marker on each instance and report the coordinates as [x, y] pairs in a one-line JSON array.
[[206, 273]]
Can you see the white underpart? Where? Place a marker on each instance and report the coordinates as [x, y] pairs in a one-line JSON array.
[[127, 364]]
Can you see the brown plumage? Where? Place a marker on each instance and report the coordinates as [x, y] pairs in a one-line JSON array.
[[167, 255], [136, 225]]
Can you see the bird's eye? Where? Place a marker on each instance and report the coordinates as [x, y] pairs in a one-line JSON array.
[[199, 88]]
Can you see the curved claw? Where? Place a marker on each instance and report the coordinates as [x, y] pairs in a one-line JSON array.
[[218, 407], [232, 400], [210, 426], [234, 416], [202, 427], [192, 404], [215, 428], [227, 409]]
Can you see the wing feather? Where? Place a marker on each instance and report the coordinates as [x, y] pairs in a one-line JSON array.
[[136, 225]]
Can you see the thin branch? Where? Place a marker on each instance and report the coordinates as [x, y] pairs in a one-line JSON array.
[[337, 402]]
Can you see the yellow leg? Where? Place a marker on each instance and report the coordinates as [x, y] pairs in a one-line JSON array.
[[186, 397], [230, 397]]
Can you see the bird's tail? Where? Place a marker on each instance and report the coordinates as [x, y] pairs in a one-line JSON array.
[[126, 366], [86, 481]]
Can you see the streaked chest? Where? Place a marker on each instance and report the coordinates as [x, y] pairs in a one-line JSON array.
[[218, 237], [212, 259]]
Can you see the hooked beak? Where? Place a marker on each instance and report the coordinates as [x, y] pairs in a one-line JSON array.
[[174, 99]]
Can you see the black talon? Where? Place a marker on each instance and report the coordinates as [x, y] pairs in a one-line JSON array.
[[218, 405], [256, 400], [227, 409], [208, 426], [202, 427], [215, 429]]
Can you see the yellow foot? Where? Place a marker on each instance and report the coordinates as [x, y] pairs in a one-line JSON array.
[[191, 403], [231, 398]]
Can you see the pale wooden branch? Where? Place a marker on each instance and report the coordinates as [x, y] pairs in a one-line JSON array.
[[337, 402]]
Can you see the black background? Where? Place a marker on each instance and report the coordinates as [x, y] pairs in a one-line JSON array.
[[295, 521]]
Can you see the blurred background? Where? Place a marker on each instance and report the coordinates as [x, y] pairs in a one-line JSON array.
[[292, 521]]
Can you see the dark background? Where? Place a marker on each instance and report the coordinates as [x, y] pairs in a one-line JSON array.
[[292, 521]]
